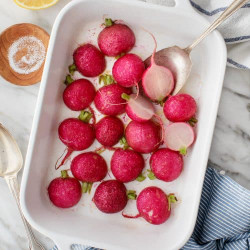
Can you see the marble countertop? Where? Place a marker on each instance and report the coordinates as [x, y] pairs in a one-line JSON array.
[[230, 151]]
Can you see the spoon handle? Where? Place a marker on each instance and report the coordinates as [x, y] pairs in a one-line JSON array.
[[14, 188], [235, 5]]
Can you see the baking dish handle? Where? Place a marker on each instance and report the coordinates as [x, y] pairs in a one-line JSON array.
[[184, 4]]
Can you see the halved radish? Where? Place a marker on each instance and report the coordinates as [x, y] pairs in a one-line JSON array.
[[179, 136], [157, 81], [139, 108]]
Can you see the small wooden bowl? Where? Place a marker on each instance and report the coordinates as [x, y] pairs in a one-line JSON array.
[[7, 38]]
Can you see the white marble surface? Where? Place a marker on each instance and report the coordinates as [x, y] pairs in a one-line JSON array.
[[230, 149]]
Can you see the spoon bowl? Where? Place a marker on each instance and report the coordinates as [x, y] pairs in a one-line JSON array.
[[178, 61], [11, 160]]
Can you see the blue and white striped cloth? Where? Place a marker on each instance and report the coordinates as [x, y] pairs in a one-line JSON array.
[[235, 30], [223, 220]]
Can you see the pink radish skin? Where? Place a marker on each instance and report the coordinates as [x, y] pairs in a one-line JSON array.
[[116, 39], [109, 131], [139, 108], [126, 165], [166, 164], [179, 136], [79, 94], [110, 196], [108, 99], [76, 134], [157, 81], [127, 70], [89, 61], [153, 205], [143, 137], [89, 167], [64, 192], [180, 108]]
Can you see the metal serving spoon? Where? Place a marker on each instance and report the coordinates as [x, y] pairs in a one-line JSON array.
[[178, 60], [11, 161]]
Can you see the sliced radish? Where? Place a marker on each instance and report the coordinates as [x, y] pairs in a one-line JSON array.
[[139, 108], [157, 81], [179, 136]]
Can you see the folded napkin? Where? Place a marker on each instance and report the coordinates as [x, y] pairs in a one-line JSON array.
[[223, 220]]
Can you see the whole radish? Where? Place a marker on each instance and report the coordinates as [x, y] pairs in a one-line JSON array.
[[143, 137], [79, 94], [76, 134], [180, 108], [110, 196], [89, 167], [108, 99], [153, 205], [109, 130], [139, 108], [126, 165], [179, 136], [166, 164], [127, 70], [115, 38], [157, 81], [89, 60], [64, 191]]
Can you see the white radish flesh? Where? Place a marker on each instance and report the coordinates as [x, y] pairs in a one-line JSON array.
[[157, 81], [179, 136], [139, 108]]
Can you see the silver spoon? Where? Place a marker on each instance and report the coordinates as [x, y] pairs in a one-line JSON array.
[[178, 60], [11, 161]]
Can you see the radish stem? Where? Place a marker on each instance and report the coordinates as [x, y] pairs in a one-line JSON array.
[[68, 80], [151, 175], [192, 121], [131, 194], [64, 174], [72, 68], [106, 79], [125, 96], [123, 142], [108, 22], [141, 178], [85, 116], [171, 199], [183, 151]]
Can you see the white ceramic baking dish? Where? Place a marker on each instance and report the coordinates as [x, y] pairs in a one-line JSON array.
[[79, 22]]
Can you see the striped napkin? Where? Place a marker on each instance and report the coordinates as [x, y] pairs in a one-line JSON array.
[[235, 30], [223, 220]]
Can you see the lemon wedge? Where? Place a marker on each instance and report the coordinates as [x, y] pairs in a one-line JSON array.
[[35, 4]]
